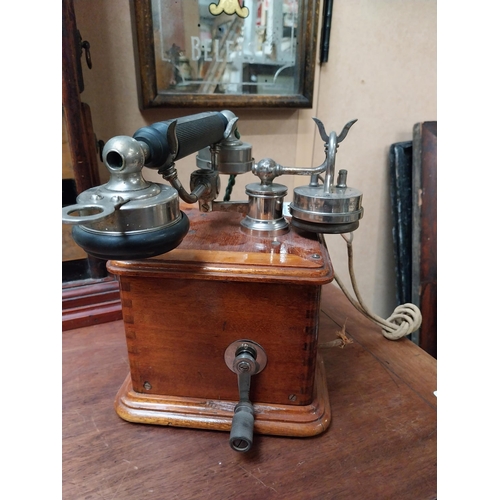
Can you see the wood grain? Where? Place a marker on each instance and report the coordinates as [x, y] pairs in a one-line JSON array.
[[425, 166], [201, 318], [202, 413], [80, 136], [217, 248], [381, 443], [89, 302], [218, 287], [67, 164]]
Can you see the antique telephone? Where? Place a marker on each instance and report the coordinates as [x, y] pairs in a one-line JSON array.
[[228, 287]]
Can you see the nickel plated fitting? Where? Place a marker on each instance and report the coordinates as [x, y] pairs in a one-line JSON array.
[[265, 201], [328, 208], [117, 216]]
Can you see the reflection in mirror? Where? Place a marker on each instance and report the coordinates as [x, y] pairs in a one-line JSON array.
[[227, 47]]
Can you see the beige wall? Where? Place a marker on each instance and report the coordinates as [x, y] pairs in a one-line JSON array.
[[381, 70]]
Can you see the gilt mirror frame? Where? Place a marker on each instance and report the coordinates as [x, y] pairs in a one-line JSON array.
[[154, 62]]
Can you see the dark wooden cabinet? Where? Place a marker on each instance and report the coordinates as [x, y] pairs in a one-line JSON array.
[[413, 172], [89, 294]]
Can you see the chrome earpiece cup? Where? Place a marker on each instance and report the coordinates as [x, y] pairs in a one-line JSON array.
[[130, 246]]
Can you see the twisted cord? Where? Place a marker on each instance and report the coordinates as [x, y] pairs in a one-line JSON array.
[[229, 189], [405, 319]]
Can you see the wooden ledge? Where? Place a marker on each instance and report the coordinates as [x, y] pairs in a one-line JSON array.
[[90, 302], [271, 419]]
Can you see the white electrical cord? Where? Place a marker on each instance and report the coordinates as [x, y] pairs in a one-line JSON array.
[[405, 319]]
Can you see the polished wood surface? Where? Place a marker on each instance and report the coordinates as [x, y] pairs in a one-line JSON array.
[[217, 248], [216, 414], [89, 302], [178, 330], [425, 237], [381, 442], [219, 286]]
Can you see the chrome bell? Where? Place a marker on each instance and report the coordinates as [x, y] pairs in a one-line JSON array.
[[328, 208]]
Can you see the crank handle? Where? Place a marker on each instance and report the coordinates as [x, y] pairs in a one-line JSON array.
[[241, 435], [245, 358]]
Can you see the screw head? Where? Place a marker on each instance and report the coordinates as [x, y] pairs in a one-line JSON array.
[[243, 366]]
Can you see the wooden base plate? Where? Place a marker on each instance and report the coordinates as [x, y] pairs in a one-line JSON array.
[[271, 419]]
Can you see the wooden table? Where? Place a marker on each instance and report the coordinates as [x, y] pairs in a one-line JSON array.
[[381, 443]]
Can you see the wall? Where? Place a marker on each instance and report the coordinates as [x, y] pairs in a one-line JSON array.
[[381, 70]]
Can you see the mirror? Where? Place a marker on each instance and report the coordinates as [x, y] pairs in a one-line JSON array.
[[205, 53]]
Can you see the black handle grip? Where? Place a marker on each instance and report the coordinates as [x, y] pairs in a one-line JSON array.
[[241, 435], [193, 133]]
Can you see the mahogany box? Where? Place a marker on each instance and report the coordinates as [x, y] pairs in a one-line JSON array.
[[183, 309]]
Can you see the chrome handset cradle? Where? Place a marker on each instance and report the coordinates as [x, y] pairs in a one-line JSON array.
[[129, 217]]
